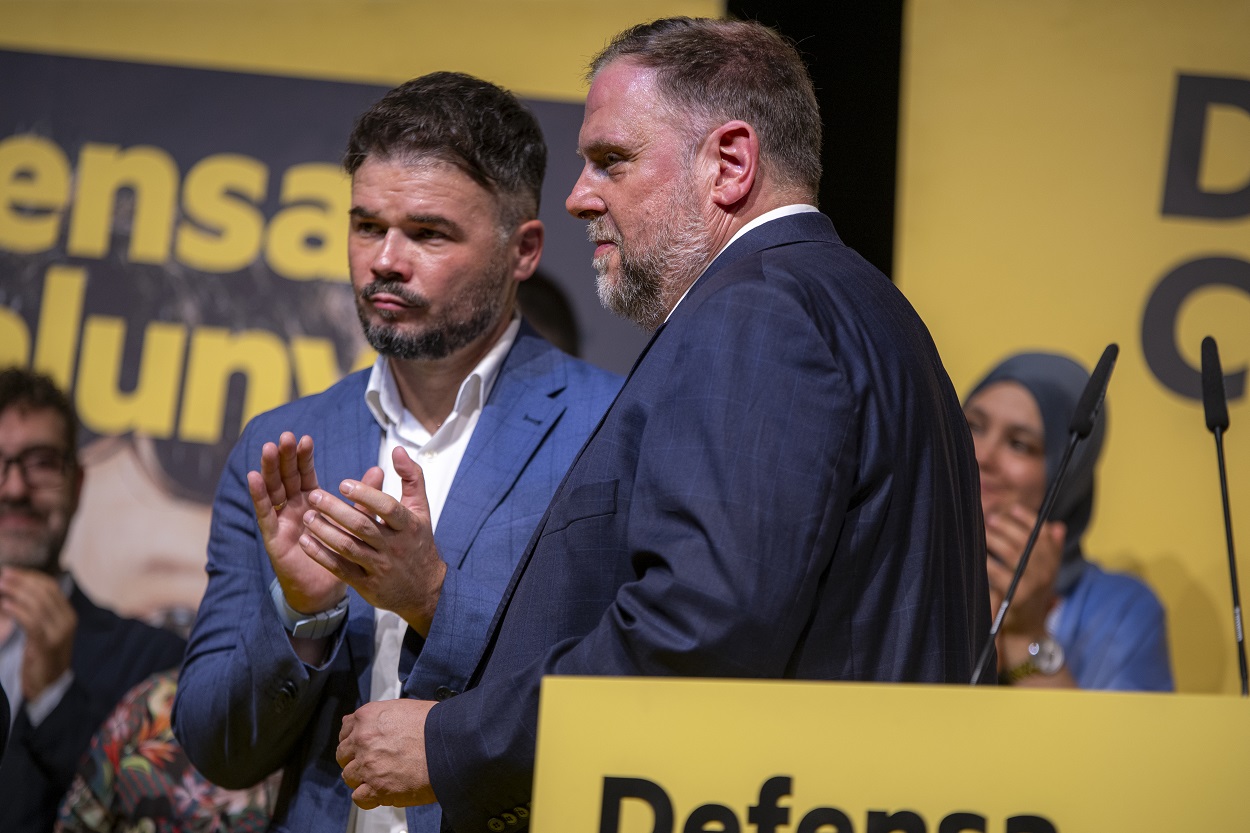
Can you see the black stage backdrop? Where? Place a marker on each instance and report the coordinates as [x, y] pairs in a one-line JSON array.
[[853, 50]]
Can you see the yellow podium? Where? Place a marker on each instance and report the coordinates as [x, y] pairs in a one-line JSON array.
[[689, 756]]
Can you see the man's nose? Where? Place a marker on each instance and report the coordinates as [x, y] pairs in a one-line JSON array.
[[583, 202], [13, 480], [388, 260]]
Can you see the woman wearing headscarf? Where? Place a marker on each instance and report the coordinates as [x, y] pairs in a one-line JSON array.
[[1071, 623]]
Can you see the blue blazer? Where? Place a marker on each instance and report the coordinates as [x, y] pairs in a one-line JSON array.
[[111, 656], [785, 487], [246, 705]]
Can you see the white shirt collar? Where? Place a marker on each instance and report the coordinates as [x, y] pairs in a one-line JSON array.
[[382, 393], [775, 214]]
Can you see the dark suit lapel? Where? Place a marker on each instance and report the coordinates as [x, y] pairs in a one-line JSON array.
[[529, 549], [524, 561], [810, 225], [806, 226], [517, 416]]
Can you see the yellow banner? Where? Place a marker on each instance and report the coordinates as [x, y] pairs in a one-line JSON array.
[[679, 756], [1074, 174], [536, 48], [173, 220]]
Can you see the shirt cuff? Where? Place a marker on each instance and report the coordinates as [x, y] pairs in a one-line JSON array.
[[303, 625], [37, 710]]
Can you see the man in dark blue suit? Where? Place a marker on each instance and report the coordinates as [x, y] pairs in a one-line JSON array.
[[64, 661], [785, 487], [325, 589]]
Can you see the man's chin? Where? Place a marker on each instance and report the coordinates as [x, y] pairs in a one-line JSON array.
[[24, 554], [612, 298]]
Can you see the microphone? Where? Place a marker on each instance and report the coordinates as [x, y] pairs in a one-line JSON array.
[[1090, 403], [1215, 403], [1083, 418]]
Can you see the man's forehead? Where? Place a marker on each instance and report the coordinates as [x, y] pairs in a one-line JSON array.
[[426, 164], [620, 83], [623, 103], [20, 422], [423, 178]]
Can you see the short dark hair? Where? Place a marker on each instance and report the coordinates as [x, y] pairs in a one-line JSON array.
[[27, 391], [713, 71], [455, 118]]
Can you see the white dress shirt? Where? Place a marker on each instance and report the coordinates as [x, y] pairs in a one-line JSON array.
[[439, 456]]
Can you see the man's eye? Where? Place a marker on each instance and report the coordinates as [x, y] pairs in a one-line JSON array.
[[42, 459]]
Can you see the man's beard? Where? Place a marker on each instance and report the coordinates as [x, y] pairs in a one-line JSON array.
[[474, 310], [35, 549], [653, 274]]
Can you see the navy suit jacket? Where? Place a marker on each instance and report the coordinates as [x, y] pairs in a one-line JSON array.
[[4, 721], [111, 656], [785, 487], [246, 705]]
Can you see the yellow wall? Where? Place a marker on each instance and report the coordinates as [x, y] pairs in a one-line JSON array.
[[537, 48], [1035, 141]]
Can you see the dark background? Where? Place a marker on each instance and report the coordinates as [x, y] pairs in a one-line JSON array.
[[853, 50]]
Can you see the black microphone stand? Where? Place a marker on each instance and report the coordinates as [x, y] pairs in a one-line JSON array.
[[1232, 565], [1048, 503], [1215, 403], [1082, 424]]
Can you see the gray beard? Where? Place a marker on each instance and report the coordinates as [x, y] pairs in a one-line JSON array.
[[652, 281]]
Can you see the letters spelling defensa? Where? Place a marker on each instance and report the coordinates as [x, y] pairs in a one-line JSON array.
[[211, 221], [767, 815]]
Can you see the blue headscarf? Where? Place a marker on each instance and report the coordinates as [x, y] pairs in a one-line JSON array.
[[1056, 383]]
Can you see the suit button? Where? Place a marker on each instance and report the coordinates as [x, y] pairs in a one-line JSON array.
[[495, 825], [286, 695], [443, 693]]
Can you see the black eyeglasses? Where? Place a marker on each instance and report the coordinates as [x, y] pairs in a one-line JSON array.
[[42, 467]]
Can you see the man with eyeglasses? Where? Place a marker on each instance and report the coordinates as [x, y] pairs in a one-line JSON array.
[[64, 662]]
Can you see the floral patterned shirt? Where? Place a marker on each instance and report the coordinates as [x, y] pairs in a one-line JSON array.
[[136, 778]]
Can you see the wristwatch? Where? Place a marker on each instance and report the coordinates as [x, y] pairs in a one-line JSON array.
[[1045, 657], [304, 625]]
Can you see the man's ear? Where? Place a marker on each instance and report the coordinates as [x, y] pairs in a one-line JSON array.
[[736, 148], [527, 245]]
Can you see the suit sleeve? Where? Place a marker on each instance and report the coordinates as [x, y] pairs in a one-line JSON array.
[[457, 634], [744, 470], [244, 697]]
